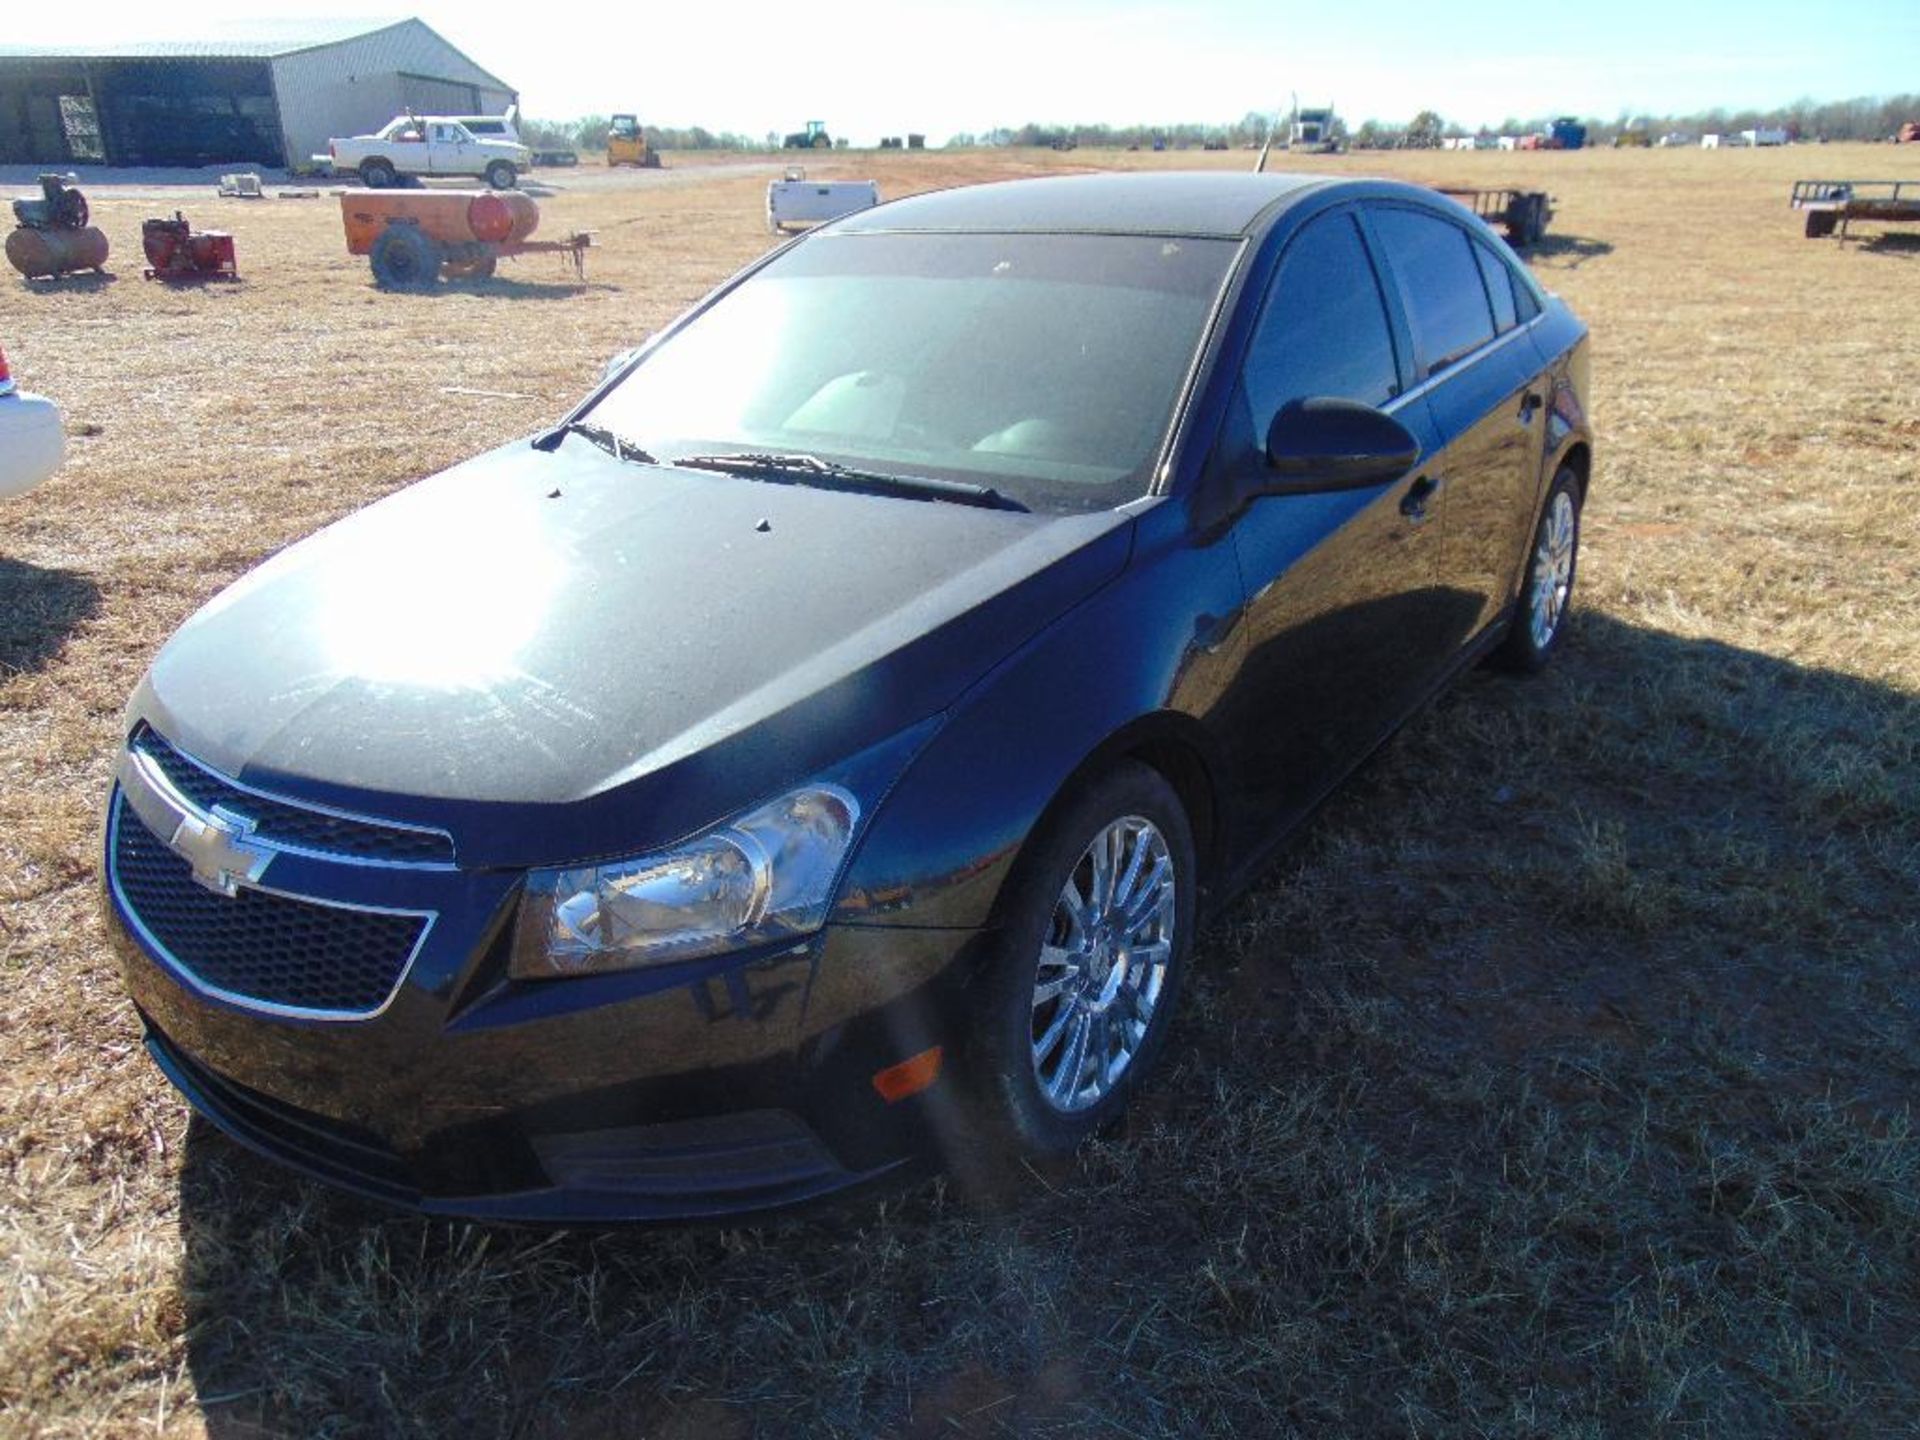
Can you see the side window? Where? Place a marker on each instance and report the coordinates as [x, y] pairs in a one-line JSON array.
[[1323, 329], [1499, 287], [1526, 305], [1446, 299]]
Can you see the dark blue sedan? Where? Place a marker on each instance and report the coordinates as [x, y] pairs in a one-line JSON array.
[[816, 753]]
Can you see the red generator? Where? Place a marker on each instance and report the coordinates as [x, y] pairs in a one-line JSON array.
[[176, 251]]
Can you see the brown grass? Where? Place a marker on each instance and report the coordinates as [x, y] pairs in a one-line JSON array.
[[1559, 1083]]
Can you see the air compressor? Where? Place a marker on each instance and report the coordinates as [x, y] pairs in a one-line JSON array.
[[51, 236]]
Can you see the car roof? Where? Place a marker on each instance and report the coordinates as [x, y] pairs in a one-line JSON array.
[[1147, 203]]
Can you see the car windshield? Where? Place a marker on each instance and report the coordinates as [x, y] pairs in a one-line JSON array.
[[1044, 366]]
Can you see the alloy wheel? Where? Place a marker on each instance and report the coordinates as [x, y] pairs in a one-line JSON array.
[[1103, 964], [1552, 570]]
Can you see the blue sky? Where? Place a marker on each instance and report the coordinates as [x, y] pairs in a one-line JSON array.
[[871, 68]]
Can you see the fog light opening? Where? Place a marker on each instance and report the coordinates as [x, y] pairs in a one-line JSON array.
[[909, 1077]]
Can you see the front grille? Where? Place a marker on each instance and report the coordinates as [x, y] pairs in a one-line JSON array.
[[295, 825], [257, 946]]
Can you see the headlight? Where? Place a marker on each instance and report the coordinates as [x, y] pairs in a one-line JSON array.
[[768, 875]]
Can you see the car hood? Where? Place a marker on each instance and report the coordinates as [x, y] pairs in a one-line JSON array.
[[627, 651]]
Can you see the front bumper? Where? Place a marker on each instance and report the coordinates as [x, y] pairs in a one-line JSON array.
[[713, 1088]]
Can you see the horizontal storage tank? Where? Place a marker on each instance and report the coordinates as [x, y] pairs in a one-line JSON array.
[[38, 253]]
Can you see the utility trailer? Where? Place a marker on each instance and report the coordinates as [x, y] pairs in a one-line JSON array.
[[1523, 214], [412, 238], [1830, 205], [799, 201]]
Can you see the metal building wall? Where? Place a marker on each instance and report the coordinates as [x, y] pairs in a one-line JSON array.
[[356, 86]]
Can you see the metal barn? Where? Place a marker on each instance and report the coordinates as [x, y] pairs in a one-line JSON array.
[[261, 101]]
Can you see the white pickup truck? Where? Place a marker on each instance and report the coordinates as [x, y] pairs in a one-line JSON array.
[[421, 145]]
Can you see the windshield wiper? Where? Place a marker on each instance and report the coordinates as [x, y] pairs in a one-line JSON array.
[[615, 445], [812, 470]]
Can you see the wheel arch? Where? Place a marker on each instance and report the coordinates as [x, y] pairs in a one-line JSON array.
[[1578, 457], [1173, 745]]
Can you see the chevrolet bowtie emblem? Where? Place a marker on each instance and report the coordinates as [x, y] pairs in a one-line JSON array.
[[217, 843]]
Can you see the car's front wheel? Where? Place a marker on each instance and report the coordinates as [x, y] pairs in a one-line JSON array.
[[1547, 592], [1093, 948], [501, 176]]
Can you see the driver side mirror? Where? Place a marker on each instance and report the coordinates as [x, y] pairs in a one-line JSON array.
[[1322, 444]]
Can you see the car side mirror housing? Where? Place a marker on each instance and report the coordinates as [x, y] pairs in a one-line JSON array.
[[1323, 443]]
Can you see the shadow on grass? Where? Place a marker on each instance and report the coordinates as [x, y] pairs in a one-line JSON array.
[[560, 287], [1558, 1082], [39, 609], [1904, 243], [1573, 249], [87, 281]]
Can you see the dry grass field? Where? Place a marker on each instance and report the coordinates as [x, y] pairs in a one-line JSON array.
[[1560, 1082]]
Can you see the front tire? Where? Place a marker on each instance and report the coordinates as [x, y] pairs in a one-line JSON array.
[[1546, 594], [1094, 946], [501, 175], [405, 259]]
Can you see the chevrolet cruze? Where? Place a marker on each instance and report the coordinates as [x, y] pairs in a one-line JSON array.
[[815, 753]]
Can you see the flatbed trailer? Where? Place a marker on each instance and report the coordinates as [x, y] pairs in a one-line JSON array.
[[1830, 205], [1523, 214]]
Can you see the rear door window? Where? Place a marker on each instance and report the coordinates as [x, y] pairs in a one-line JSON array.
[[1324, 329], [1499, 287], [1434, 263]]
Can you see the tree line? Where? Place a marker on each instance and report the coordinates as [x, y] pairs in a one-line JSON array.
[[1864, 118]]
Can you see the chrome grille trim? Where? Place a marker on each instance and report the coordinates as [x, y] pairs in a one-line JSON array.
[[148, 742], [181, 970]]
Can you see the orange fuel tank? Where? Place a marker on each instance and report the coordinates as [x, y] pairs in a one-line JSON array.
[[450, 217]]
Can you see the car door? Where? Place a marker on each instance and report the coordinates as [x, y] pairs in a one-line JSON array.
[[451, 150], [1484, 397], [1341, 627]]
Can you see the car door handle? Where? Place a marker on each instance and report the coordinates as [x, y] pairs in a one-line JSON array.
[[1413, 504], [1529, 403]]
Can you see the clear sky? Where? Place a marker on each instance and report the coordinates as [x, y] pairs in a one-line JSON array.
[[868, 67]]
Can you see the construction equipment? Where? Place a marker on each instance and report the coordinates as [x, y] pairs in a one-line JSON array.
[[814, 137], [52, 237], [627, 144], [1523, 214], [1831, 205], [412, 237], [176, 251], [1909, 134]]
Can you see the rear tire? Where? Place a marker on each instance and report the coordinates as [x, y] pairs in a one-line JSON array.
[[404, 259], [1077, 999], [1546, 593], [378, 174]]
